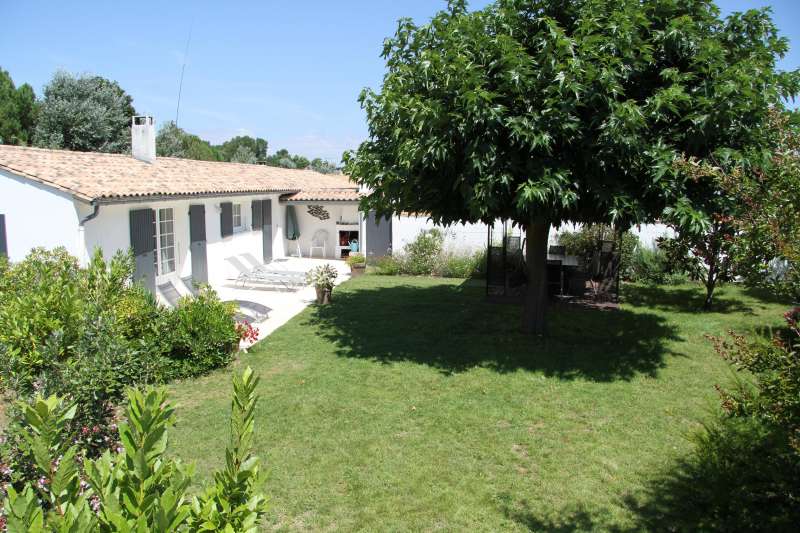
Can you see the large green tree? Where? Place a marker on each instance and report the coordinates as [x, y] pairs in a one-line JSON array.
[[172, 141], [256, 146], [17, 111], [543, 111], [85, 113]]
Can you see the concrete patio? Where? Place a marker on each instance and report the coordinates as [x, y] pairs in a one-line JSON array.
[[282, 304]]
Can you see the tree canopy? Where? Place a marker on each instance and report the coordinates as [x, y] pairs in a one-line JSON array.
[[17, 111], [84, 112], [172, 141], [543, 112], [256, 146]]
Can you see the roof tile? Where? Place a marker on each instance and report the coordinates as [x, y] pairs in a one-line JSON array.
[[96, 176]]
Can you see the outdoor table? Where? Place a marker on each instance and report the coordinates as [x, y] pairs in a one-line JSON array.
[[563, 260]]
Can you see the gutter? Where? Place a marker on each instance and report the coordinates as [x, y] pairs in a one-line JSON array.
[[110, 200], [90, 216]]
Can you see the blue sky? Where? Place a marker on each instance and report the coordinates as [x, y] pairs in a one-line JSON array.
[[287, 71]]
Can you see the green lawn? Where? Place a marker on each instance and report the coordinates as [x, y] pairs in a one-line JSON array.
[[412, 404]]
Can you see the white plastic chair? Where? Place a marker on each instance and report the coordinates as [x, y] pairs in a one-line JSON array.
[[319, 241]]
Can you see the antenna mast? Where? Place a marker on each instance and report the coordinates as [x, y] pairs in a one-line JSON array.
[[183, 69]]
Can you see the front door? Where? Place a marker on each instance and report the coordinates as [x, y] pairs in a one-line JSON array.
[[266, 234], [197, 239], [143, 243]]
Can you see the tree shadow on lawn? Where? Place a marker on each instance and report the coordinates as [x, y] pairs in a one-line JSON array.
[[741, 476], [681, 299], [452, 328]]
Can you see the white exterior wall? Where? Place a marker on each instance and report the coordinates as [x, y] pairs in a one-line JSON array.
[[647, 233], [308, 225], [459, 238], [468, 238], [110, 230], [37, 215]]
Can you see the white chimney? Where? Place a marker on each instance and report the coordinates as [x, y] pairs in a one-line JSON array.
[[143, 138]]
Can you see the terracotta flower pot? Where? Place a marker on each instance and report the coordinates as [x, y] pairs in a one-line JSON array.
[[357, 270], [324, 295]]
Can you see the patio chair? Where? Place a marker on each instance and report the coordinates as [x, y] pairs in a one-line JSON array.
[[246, 275], [250, 311], [169, 293], [320, 242]]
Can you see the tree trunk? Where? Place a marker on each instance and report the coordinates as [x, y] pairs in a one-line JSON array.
[[711, 282], [533, 316]]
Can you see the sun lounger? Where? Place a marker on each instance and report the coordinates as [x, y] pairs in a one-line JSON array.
[[276, 266], [247, 275]]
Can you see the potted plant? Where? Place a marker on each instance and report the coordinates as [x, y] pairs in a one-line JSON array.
[[357, 263], [322, 278]]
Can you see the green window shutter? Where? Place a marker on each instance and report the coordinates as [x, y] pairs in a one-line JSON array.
[[3, 242], [226, 219], [258, 219], [143, 231]]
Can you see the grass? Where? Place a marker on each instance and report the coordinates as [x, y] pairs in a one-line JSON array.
[[412, 404]]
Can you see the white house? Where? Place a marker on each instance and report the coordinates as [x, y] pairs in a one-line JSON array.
[[182, 218], [185, 219]]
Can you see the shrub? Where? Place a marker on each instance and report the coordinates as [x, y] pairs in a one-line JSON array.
[[651, 266], [41, 314], [203, 335], [138, 488], [775, 398], [425, 256], [421, 256], [461, 265], [388, 266], [356, 259], [86, 334]]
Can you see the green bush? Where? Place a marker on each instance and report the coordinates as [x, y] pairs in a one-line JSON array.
[[41, 315], [139, 487], [461, 265], [421, 256], [388, 266], [202, 333], [425, 256], [86, 334], [355, 259], [651, 266]]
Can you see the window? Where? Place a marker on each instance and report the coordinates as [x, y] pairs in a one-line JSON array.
[[165, 261], [237, 216]]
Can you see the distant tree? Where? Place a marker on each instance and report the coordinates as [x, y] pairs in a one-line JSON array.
[[257, 146], [172, 141], [86, 113], [300, 161], [169, 141], [17, 111], [322, 166], [244, 154], [286, 162], [542, 111]]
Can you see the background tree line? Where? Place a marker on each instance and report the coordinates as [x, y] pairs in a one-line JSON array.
[[91, 113]]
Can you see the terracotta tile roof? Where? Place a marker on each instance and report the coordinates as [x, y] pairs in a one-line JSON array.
[[94, 176], [349, 194]]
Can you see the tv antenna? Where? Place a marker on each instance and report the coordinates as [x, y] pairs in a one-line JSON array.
[[183, 69]]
